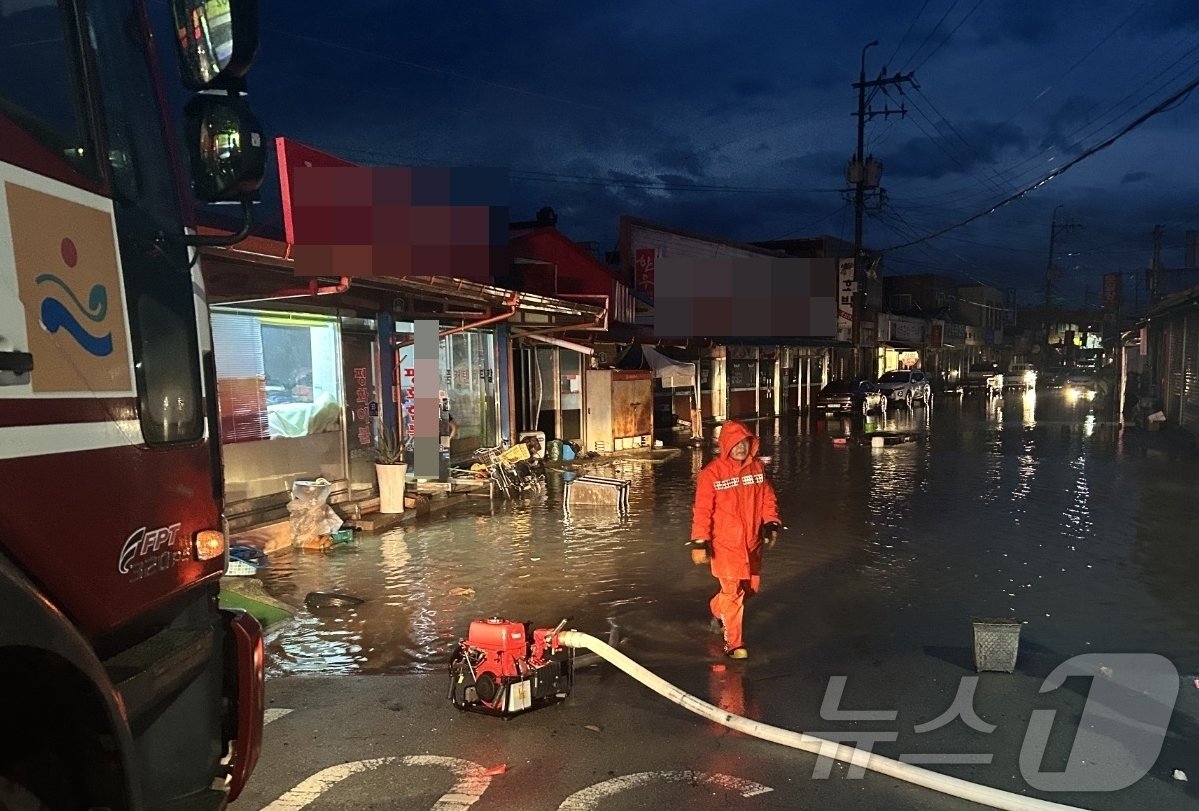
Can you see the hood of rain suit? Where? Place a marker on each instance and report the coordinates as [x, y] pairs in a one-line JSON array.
[[732, 433], [732, 501]]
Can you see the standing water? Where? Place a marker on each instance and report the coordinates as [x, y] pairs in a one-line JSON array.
[[1022, 507]]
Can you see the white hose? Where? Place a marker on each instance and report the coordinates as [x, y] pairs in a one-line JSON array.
[[953, 786]]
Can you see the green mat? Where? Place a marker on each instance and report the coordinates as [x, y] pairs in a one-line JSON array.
[[265, 614]]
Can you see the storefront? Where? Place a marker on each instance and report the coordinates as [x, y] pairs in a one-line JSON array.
[[550, 387], [901, 342], [307, 376]]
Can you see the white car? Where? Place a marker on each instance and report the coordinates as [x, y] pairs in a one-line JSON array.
[[1021, 376], [906, 386]]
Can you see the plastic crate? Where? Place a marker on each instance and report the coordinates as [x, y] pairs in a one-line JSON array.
[[996, 644], [240, 568]]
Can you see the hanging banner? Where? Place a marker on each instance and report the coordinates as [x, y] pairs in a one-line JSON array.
[[644, 282], [846, 287]]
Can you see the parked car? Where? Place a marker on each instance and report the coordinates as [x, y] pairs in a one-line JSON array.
[[1053, 377], [985, 378], [906, 386], [851, 397], [1080, 384], [1021, 376]]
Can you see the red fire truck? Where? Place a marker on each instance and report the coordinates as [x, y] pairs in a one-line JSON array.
[[123, 685]]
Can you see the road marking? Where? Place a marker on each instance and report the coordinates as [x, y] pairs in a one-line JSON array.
[[273, 715], [589, 799], [472, 781]]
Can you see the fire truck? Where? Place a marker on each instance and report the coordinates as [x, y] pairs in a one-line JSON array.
[[123, 684]]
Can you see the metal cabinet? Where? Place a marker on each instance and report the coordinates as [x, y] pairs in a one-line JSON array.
[[620, 409]]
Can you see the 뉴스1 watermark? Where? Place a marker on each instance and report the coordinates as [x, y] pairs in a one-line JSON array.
[[1123, 725]]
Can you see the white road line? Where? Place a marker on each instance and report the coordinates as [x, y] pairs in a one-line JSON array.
[[589, 799], [273, 715], [472, 781]]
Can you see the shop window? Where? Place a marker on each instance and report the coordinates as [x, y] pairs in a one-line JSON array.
[[281, 396], [742, 374]]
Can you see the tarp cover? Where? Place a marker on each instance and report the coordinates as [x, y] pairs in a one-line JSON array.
[[672, 373]]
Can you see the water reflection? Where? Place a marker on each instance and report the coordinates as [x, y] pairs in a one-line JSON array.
[[1026, 511]]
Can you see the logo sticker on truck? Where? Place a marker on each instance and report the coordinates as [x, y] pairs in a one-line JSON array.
[[66, 269], [149, 551]]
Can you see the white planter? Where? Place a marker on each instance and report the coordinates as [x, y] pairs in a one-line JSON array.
[[391, 487]]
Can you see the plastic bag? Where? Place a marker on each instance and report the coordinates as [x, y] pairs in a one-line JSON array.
[[312, 519]]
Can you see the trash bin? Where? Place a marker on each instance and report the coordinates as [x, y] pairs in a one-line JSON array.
[[996, 644]]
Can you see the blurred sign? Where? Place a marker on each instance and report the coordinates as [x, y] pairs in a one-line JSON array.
[[1112, 289]]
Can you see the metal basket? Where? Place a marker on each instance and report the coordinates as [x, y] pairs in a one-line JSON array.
[[996, 644]]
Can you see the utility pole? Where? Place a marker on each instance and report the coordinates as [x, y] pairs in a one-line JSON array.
[[1055, 228], [865, 172], [1155, 269]]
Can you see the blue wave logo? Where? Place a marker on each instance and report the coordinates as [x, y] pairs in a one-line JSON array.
[[56, 316]]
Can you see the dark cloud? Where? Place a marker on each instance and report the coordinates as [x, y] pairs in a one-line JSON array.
[[683, 157], [753, 94], [1067, 125], [980, 146]]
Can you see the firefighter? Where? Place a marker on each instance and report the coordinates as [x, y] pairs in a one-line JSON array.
[[735, 514]]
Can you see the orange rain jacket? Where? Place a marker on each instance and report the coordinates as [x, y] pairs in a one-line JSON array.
[[732, 501]]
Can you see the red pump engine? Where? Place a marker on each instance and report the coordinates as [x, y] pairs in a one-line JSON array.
[[503, 668]]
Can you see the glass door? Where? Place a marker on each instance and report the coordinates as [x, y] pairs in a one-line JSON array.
[[570, 395]]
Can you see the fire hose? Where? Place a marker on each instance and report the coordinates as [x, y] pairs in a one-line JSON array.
[[953, 786]]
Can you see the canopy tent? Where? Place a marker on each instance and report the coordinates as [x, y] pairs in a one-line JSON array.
[[671, 373]]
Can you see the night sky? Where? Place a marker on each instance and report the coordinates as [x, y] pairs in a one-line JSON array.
[[734, 119]]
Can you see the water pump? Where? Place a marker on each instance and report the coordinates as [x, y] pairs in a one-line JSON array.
[[504, 668]]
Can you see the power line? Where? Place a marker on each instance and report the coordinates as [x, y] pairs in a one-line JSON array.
[[948, 36], [1161, 107], [930, 33]]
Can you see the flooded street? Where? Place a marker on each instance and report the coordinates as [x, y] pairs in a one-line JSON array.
[[1023, 508]]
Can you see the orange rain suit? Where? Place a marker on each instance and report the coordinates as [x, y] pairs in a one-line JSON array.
[[732, 501]]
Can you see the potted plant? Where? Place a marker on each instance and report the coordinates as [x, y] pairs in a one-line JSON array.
[[390, 470]]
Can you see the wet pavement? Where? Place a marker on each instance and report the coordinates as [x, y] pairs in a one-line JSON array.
[[1026, 507]]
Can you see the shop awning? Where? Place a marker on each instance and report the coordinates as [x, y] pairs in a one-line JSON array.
[[900, 345], [259, 273]]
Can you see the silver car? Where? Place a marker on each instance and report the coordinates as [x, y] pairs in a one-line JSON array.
[[906, 387]]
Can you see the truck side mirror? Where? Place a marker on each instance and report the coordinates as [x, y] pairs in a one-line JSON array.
[[217, 41], [227, 149]]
